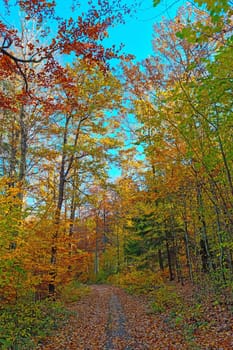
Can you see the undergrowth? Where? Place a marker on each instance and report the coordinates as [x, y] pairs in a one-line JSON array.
[[137, 281], [190, 309], [73, 292], [25, 324]]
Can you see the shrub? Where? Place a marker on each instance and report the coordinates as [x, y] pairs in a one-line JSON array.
[[165, 297], [23, 325], [73, 291], [137, 281]]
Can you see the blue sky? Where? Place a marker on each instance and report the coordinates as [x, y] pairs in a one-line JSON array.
[[136, 33]]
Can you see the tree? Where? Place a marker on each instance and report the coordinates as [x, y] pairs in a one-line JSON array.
[[184, 131], [81, 37]]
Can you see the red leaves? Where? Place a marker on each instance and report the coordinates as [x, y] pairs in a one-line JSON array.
[[37, 8], [80, 37], [6, 103]]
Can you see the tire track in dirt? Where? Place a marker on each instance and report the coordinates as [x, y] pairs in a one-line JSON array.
[[116, 330], [109, 319]]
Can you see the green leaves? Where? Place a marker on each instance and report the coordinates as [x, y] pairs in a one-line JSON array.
[[22, 325], [215, 7], [156, 2], [187, 33]]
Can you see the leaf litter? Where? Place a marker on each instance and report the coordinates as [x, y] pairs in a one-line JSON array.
[[110, 319]]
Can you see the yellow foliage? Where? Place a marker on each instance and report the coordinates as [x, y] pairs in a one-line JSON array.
[[138, 282], [73, 291]]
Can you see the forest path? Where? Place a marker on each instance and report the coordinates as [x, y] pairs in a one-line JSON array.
[[110, 319]]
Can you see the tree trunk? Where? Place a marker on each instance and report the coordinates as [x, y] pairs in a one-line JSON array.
[[186, 241], [207, 264], [61, 188], [160, 257], [169, 260]]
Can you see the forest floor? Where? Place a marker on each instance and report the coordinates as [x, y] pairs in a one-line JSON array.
[[110, 319]]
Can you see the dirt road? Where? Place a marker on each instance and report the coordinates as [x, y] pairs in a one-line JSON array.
[[109, 319]]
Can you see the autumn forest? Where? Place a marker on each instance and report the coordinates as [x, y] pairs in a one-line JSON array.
[[116, 179]]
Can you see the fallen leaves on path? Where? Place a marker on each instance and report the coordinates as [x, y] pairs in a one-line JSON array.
[[86, 328], [110, 319]]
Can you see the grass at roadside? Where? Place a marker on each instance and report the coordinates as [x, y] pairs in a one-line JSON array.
[[24, 324]]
